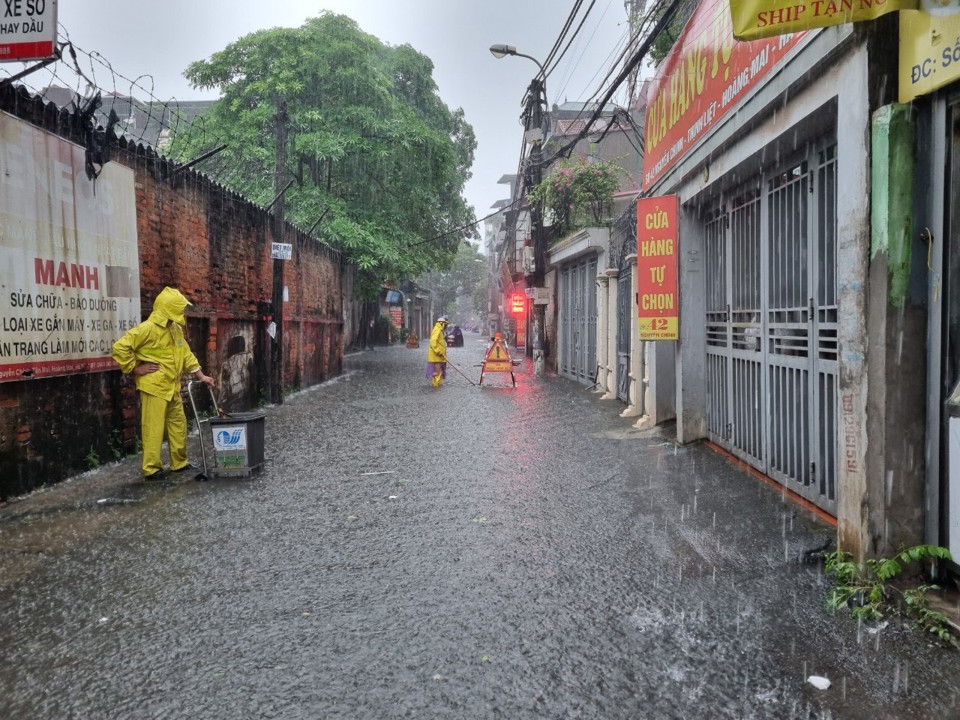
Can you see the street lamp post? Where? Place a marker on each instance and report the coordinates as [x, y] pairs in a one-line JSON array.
[[501, 51], [533, 131]]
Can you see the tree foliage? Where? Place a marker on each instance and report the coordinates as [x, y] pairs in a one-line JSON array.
[[372, 149], [664, 42], [462, 276], [481, 299]]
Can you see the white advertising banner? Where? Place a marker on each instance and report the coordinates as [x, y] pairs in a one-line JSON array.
[[69, 263], [28, 30]]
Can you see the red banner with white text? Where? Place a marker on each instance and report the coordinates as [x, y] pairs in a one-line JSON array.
[[703, 78]]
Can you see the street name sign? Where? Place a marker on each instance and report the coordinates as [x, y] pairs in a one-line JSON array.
[[282, 251]]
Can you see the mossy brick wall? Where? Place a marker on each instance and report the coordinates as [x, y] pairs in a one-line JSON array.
[[214, 246]]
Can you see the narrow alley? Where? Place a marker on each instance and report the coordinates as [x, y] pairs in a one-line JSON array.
[[459, 552]]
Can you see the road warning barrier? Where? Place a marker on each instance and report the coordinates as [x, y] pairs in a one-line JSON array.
[[497, 359]]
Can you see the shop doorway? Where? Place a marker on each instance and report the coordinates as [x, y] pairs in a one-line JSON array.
[[771, 323], [578, 321]]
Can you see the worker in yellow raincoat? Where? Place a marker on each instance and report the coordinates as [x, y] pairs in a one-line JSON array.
[[157, 354], [437, 354]]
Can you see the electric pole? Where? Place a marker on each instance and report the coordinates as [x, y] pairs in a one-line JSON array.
[[533, 126], [276, 351]]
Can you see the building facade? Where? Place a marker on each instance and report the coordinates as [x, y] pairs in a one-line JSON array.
[[926, 155], [793, 354]]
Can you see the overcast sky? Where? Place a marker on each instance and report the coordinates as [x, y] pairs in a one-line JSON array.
[[161, 38]]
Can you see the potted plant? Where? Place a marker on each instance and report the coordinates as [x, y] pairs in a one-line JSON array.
[[578, 193]]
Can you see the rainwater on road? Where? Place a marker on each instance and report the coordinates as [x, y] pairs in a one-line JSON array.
[[461, 552]]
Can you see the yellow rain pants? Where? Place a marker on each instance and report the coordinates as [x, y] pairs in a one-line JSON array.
[[159, 417]]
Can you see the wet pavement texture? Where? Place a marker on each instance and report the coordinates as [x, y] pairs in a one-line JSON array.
[[461, 552]]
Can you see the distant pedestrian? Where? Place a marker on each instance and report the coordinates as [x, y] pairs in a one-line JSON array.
[[157, 354], [437, 354]]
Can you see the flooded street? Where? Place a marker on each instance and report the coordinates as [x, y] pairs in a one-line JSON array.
[[459, 552]]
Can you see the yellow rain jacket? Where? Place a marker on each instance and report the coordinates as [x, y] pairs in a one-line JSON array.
[[159, 339], [438, 344]]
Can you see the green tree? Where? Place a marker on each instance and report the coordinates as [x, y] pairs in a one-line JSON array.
[[467, 270], [481, 300], [664, 42], [372, 149]]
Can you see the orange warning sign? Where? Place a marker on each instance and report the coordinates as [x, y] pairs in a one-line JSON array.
[[497, 359]]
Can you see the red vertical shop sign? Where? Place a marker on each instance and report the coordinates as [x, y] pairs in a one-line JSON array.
[[518, 306], [657, 301], [396, 316]]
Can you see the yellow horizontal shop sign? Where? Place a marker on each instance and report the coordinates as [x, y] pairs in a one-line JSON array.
[[754, 19], [929, 52], [661, 328]]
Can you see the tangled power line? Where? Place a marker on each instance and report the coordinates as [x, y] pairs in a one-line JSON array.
[[80, 80], [654, 22]]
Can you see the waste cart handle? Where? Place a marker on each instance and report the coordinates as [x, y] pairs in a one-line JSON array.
[[196, 416], [213, 398]]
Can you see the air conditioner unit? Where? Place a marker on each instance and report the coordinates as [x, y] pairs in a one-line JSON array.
[[529, 261]]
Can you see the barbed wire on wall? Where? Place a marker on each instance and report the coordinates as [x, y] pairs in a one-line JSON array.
[[84, 80]]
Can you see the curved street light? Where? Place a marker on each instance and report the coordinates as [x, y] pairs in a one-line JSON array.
[[501, 51]]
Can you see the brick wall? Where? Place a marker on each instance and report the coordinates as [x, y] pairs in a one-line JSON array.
[[213, 246]]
